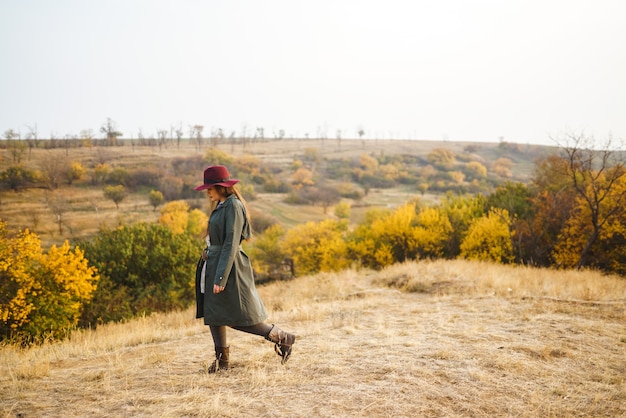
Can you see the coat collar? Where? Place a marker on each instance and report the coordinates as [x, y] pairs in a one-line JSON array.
[[225, 202]]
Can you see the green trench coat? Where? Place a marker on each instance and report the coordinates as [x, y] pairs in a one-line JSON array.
[[228, 265]]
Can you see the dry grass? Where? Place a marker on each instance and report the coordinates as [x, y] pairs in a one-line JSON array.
[[444, 338]]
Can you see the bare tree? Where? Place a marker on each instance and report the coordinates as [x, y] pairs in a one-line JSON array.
[[54, 167], [60, 205], [162, 135], [595, 172], [110, 131], [16, 147], [260, 133], [31, 139], [179, 135], [86, 136], [232, 141], [338, 139], [244, 135], [195, 134]]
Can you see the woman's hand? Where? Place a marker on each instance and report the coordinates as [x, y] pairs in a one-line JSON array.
[[217, 289]]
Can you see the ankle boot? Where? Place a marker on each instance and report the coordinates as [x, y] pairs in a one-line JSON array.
[[283, 342], [221, 360]]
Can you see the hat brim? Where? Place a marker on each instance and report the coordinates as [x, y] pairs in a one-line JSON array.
[[228, 183]]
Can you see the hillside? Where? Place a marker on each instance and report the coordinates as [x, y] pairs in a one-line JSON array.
[[85, 209], [444, 338]]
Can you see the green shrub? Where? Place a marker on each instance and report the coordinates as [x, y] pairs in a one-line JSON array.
[[144, 268]]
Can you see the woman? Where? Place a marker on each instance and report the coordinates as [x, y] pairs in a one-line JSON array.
[[225, 291]]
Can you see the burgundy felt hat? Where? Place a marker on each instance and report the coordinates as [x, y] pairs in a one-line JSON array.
[[216, 175]]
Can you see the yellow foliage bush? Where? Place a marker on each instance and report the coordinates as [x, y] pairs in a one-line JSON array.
[[65, 281], [489, 239], [18, 256], [399, 235], [197, 223], [316, 247], [175, 215], [41, 292]]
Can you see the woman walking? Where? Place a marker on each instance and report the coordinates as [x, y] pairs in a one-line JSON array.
[[225, 292]]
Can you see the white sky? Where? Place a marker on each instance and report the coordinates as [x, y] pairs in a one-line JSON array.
[[461, 70]]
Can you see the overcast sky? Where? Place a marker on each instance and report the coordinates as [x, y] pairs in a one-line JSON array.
[[460, 70]]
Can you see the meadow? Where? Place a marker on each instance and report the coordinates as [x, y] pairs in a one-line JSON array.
[[430, 338]]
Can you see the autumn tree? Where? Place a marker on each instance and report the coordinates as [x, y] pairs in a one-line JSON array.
[[118, 175], [608, 252], [596, 172], [502, 167], [214, 156], [516, 199], [18, 177], [100, 173], [342, 210], [156, 198], [476, 170], [116, 194], [440, 157], [422, 188], [325, 195], [75, 171], [302, 177], [171, 187], [249, 166], [552, 200]]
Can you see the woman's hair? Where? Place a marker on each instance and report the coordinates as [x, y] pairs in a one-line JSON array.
[[234, 190], [227, 191]]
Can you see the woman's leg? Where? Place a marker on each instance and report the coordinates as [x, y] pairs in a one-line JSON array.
[[222, 351], [283, 340], [219, 335], [261, 329]]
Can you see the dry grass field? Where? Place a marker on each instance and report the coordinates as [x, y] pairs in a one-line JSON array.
[[433, 339]]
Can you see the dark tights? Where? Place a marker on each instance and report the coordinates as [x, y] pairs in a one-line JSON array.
[[219, 332]]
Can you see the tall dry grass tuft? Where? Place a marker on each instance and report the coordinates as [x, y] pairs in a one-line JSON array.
[[435, 338], [483, 278]]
